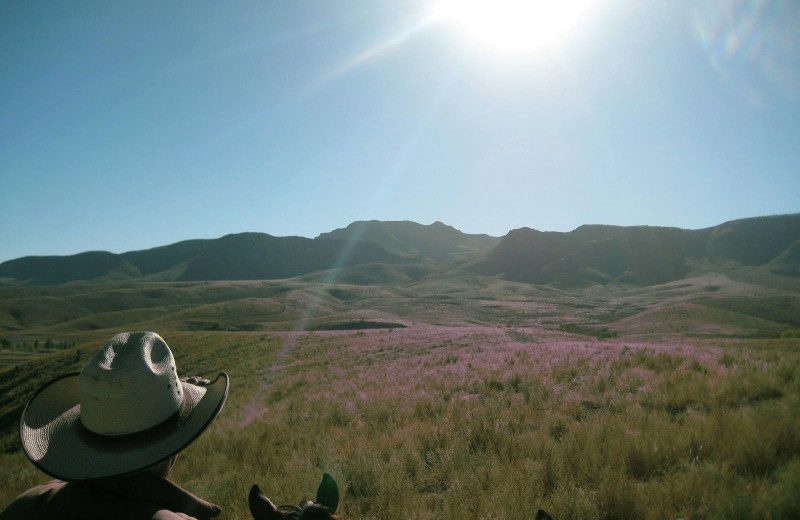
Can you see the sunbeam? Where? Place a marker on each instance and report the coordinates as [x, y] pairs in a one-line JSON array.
[[374, 51], [398, 169], [254, 410]]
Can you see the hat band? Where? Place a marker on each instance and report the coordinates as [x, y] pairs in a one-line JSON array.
[[162, 429]]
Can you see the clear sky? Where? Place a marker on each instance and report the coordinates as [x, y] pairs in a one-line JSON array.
[[127, 125]]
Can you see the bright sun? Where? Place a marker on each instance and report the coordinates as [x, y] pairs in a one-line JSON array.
[[515, 24]]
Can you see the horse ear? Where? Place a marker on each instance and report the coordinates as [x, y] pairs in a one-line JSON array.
[[260, 506], [542, 515], [328, 493]]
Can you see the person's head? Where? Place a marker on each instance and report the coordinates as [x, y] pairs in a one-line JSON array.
[[126, 413]]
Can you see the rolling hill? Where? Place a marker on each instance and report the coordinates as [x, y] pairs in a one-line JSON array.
[[243, 256], [54, 270], [788, 262], [258, 256]]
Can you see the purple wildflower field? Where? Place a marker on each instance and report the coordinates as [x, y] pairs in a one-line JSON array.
[[472, 422]]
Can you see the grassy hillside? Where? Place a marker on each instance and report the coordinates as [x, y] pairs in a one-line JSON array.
[[788, 263], [592, 254], [375, 274], [754, 241], [436, 241], [641, 255], [257, 256], [706, 305], [164, 258], [243, 256], [589, 255], [53, 270]]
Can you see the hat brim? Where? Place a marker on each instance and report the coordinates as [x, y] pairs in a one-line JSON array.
[[56, 442]]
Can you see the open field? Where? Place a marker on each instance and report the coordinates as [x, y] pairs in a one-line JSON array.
[[489, 399], [488, 422]]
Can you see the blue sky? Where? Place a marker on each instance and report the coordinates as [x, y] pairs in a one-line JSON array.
[[127, 125]]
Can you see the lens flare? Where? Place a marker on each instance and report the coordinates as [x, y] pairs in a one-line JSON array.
[[754, 45]]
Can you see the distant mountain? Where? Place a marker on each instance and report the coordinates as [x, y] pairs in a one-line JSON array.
[[640, 255], [54, 270], [436, 241], [163, 258], [255, 256], [244, 256]]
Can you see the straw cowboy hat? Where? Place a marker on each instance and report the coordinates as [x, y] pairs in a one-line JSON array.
[[125, 412]]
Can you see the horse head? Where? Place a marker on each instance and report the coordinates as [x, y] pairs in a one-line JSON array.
[[322, 508]]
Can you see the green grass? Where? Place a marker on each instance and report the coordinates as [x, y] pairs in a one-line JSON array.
[[462, 423], [89, 311], [358, 325], [781, 309], [789, 332], [596, 332], [524, 399]]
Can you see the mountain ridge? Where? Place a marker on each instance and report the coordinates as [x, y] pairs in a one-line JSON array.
[[242, 256], [641, 255], [437, 241], [589, 254]]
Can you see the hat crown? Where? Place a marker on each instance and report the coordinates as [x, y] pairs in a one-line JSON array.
[[130, 385]]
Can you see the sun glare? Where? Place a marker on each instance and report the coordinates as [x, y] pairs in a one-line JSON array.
[[514, 24]]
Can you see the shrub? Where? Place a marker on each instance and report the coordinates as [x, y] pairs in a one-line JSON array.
[[789, 332]]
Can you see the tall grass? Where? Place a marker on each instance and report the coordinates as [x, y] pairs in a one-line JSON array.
[[454, 423]]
